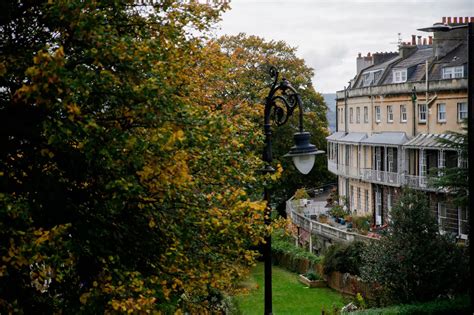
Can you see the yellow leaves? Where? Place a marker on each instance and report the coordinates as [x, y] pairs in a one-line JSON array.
[[151, 223], [47, 152], [3, 69], [74, 111]]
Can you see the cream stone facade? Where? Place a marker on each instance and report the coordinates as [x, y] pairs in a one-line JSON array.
[[389, 121]]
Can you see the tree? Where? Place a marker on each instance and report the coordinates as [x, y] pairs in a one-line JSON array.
[[455, 179], [249, 82], [413, 262], [121, 187]]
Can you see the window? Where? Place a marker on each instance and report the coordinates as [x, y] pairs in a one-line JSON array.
[[352, 198], [422, 113], [366, 115], [370, 77], [389, 113], [358, 115], [453, 72], [351, 115], [403, 113], [399, 76], [367, 78], [341, 115], [441, 112], [366, 200], [462, 111], [442, 215], [377, 113], [378, 207], [359, 197], [462, 222], [389, 207]]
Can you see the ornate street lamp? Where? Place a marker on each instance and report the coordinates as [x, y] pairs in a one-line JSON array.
[[280, 104]]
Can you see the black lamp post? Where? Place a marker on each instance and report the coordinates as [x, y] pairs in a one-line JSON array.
[[280, 104], [439, 27]]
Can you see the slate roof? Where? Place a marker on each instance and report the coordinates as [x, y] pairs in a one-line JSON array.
[[429, 141], [336, 135], [353, 137], [386, 138]]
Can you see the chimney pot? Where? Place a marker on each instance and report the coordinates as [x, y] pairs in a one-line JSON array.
[[444, 20], [430, 40], [449, 20], [424, 41], [472, 19], [460, 20], [368, 54], [419, 40], [413, 39], [466, 20], [455, 20]]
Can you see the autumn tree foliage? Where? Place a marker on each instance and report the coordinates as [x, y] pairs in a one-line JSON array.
[[123, 187], [249, 58]]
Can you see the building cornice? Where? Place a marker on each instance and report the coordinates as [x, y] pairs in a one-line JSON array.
[[405, 88]]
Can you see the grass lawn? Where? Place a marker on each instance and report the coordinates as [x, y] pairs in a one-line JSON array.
[[289, 295]]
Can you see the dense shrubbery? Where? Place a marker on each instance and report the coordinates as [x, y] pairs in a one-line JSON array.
[[361, 223], [413, 262], [458, 306], [344, 258], [293, 258]]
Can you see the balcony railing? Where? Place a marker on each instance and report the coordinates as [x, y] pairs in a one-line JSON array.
[[383, 177], [344, 170], [322, 229]]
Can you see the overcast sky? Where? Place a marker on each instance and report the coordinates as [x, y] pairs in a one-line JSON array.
[[330, 33]]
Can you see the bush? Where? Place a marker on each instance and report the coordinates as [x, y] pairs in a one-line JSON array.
[[337, 211], [413, 262], [344, 258], [293, 258], [313, 276], [459, 306], [361, 223]]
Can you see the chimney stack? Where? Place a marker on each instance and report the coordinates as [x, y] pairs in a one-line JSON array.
[[444, 20], [455, 20], [419, 40], [449, 20], [430, 40], [424, 41], [413, 40]]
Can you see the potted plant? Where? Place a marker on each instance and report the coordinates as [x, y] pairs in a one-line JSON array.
[[312, 280]]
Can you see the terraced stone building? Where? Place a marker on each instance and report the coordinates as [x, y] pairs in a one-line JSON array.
[[389, 119]]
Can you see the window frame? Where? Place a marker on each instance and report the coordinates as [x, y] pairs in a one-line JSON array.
[[439, 112], [403, 113], [366, 114], [455, 72], [460, 119], [389, 114], [357, 115], [442, 219], [399, 75], [378, 114], [351, 115], [425, 112]]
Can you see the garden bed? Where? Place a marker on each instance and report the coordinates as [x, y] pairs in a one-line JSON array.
[[312, 283]]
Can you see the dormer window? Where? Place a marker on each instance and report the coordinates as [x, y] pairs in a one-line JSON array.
[[370, 77], [453, 72], [399, 75]]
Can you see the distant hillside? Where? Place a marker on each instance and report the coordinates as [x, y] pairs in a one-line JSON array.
[[330, 100]]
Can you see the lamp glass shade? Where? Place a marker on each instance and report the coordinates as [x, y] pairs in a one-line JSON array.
[[304, 163], [303, 152]]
